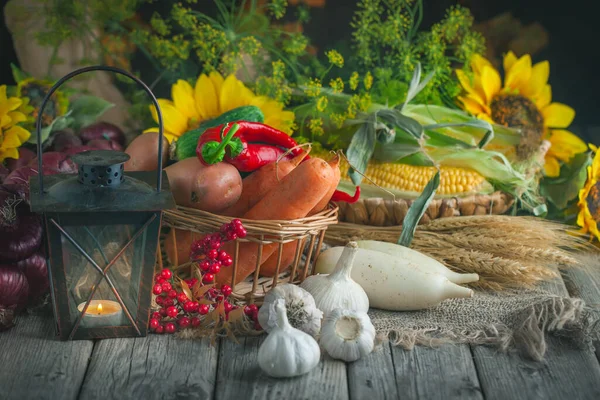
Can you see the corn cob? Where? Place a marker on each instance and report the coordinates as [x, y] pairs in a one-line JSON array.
[[405, 178]]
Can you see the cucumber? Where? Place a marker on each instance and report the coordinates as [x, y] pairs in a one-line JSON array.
[[185, 146]]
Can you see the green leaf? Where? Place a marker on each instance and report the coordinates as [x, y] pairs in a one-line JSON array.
[[417, 209], [18, 74], [416, 85], [360, 150], [59, 123], [560, 191], [86, 110]]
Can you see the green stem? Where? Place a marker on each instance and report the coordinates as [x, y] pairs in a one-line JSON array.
[[216, 155]]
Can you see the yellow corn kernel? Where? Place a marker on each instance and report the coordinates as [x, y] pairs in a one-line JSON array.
[[403, 177]]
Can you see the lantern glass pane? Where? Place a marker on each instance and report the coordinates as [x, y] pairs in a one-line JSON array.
[[103, 244]]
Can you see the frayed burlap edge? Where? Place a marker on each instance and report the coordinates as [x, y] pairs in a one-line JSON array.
[[565, 317]]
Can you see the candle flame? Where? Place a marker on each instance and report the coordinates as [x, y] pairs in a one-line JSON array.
[[99, 308]]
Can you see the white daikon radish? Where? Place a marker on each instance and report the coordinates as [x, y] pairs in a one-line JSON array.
[[419, 260], [392, 283]]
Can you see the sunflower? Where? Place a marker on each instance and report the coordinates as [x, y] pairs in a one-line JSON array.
[[11, 134], [212, 96], [589, 199], [35, 90], [525, 102]]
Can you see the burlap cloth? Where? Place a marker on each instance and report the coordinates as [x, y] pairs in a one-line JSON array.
[[517, 319]]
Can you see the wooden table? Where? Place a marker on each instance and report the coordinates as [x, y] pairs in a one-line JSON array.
[[33, 365]]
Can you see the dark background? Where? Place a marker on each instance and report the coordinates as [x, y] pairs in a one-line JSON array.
[[573, 27]]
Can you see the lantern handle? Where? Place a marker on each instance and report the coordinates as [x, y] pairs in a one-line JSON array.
[[109, 69]]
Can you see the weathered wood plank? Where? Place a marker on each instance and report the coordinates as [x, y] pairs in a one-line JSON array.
[[154, 367], [566, 372], [36, 365], [445, 372], [373, 377], [239, 376], [584, 282]]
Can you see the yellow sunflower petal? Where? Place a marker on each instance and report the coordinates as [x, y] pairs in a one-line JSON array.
[[16, 117], [15, 137], [173, 120], [3, 97], [593, 148], [234, 94], [544, 98], [207, 97], [471, 105], [539, 78], [478, 63], [466, 84], [558, 115], [151, 130], [183, 98], [551, 167], [8, 153], [519, 74], [565, 145], [509, 60], [5, 120], [490, 81], [217, 80]]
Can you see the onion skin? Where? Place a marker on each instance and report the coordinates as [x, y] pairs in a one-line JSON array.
[[4, 172], [55, 162], [14, 289], [102, 130], [25, 157], [36, 272], [20, 230], [104, 144], [79, 149], [64, 140]]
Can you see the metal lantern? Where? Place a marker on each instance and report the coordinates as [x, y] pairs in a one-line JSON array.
[[102, 227]]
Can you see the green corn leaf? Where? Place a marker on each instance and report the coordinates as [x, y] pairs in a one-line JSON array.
[[397, 119], [361, 149], [474, 123], [416, 85], [393, 152], [416, 211]]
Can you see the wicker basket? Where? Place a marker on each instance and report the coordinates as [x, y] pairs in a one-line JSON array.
[[308, 232], [388, 212]]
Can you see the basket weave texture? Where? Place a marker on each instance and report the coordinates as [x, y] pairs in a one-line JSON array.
[[391, 212], [307, 234]]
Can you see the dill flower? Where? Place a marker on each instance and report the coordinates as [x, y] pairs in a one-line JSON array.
[[316, 126], [335, 58], [250, 45], [337, 85], [322, 103], [368, 80], [353, 82], [313, 88]]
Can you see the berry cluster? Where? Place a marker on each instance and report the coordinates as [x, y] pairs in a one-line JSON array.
[[177, 310]]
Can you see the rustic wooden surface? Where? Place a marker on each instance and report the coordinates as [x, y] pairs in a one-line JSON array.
[[33, 365]]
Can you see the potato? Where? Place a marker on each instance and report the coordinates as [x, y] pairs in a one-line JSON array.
[[212, 188], [143, 151]]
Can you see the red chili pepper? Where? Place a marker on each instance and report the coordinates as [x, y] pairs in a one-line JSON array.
[[228, 142], [255, 156], [345, 197]]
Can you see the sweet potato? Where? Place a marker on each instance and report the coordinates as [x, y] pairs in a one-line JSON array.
[[258, 184], [293, 198], [288, 252], [210, 188], [143, 151], [177, 245]]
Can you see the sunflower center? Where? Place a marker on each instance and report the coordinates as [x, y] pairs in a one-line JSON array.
[[517, 111], [593, 201], [36, 93]]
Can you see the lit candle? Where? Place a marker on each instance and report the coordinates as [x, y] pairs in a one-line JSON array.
[[101, 313]]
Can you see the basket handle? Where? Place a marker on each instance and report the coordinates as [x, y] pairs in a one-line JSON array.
[[99, 68]]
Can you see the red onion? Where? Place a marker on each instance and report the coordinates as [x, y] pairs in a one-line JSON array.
[[4, 172], [36, 272], [79, 149], [64, 140], [25, 157], [20, 230], [105, 144], [14, 289], [55, 162], [102, 130]]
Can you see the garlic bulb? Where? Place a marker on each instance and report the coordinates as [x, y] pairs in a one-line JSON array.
[[302, 312], [347, 335], [287, 351], [338, 290]]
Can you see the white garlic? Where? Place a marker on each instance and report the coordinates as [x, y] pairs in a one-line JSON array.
[[302, 312], [338, 290], [347, 335], [287, 351]]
